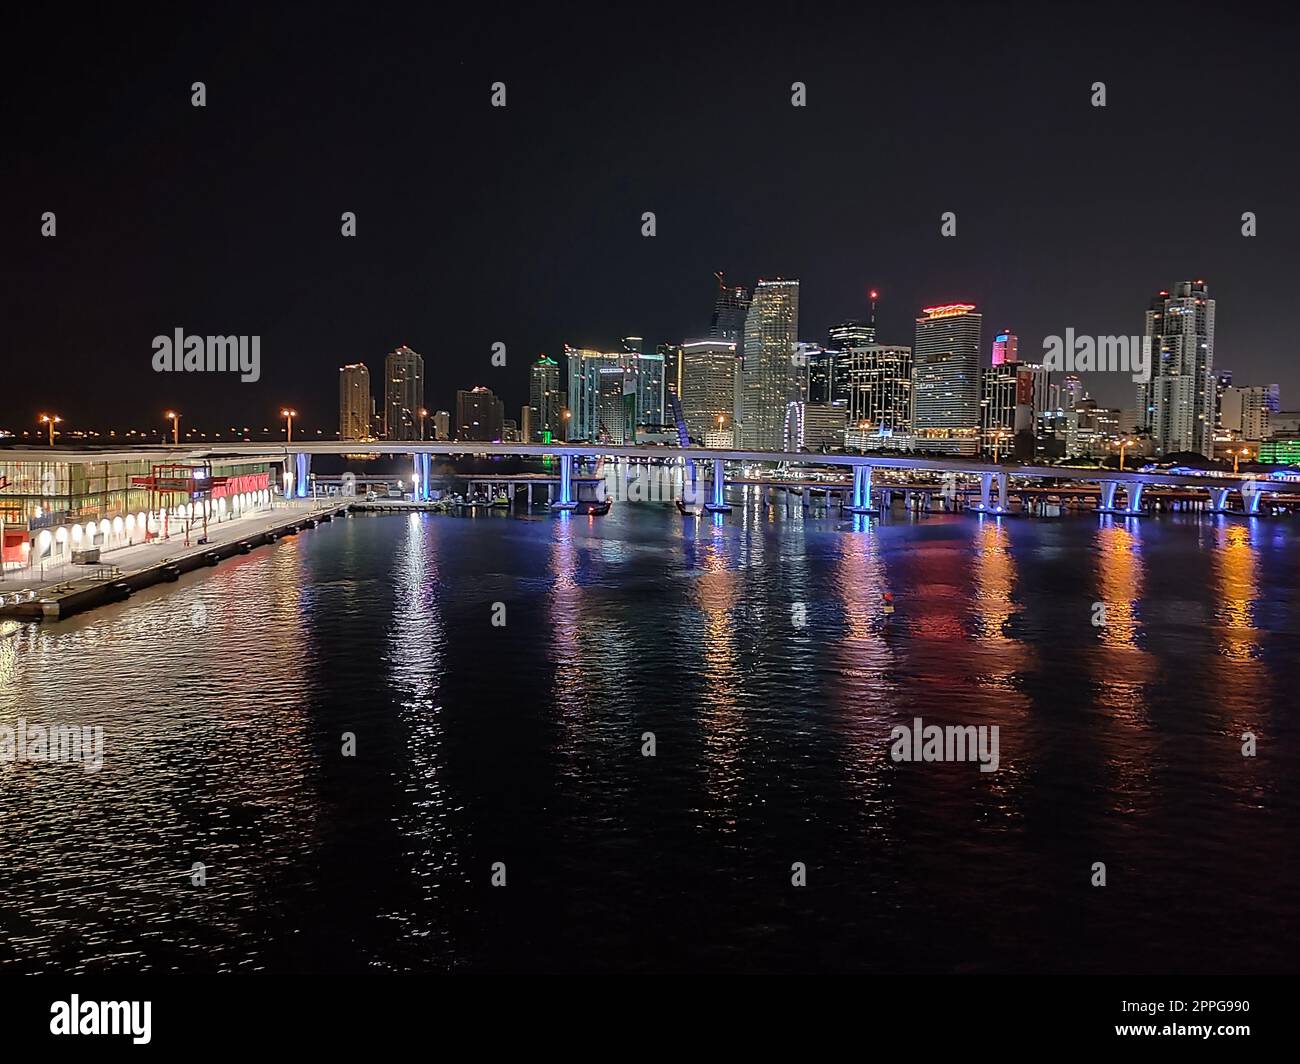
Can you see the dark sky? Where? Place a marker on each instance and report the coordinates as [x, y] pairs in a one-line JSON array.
[[523, 225]]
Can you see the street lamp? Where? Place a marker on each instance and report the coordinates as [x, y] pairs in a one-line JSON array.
[[565, 416], [175, 419], [288, 414], [423, 415], [1243, 453], [1124, 444], [51, 420]]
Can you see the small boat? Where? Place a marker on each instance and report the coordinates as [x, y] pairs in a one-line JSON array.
[[501, 502], [593, 507]]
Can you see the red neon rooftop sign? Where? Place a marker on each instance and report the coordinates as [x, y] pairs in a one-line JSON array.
[[947, 310]]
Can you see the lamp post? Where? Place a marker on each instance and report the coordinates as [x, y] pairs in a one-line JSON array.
[[288, 414], [565, 417], [423, 416], [175, 419], [1124, 444], [51, 420], [1236, 455]]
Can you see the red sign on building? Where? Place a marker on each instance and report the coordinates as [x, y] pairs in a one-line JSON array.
[[225, 487]]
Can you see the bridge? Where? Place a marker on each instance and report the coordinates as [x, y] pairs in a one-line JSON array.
[[993, 478]]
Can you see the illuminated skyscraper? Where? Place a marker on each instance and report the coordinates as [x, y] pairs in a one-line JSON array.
[[1177, 406], [480, 415], [545, 400], [649, 372], [403, 394], [771, 327], [356, 406], [587, 377], [709, 380], [945, 379], [730, 305], [877, 382], [1005, 346]]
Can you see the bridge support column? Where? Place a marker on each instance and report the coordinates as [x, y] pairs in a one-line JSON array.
[[861, 502], [1250, 495], [566, 500], [986, 491], [302, 474], [1134, 499], [717, 503], [1107, 496]]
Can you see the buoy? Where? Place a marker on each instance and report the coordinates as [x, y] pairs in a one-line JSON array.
[[887, 600]]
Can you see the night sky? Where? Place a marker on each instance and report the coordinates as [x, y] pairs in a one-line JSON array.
[[523, 225]]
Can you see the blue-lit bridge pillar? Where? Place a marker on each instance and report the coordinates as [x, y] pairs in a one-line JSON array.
[[1250, 495], [718, 498], [420, 466], [1134, 499], [861, 490], [302, 474], [566, 500], [1219, 500], [1107, 496], [986, 492]]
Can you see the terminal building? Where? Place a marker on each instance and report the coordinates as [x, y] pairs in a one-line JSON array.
[[57, 511]]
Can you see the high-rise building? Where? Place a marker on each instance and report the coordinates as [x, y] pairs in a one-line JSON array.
[[1222, 380], [355, 403], [1178, 402], [842, 337], [545, 400], [526, 431], [480, 415], [442, 425], [615, 406], [586, 376], [650, 388], [1246, 411], [708, 386], [1005, 346], [876, 382], [730, 305], [672, 356], [801, 359], [945, 379], [403, 394], [821, 374], [770, 330], [998, 408]]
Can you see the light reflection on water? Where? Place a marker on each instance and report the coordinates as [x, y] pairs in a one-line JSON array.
[[756, 650]]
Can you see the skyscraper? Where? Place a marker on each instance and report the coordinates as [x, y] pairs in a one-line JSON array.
[[878, 388], [1177, 405], [708, 385], [355, 402], [403, 394], [587, 377], [842, 337], [480, 415], [999, 385], [1005, 346], [770, 330], [945, 379], [544, 399], [616, 407], [730, 305], [1246, 411], [649, 371], [821, 374]]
